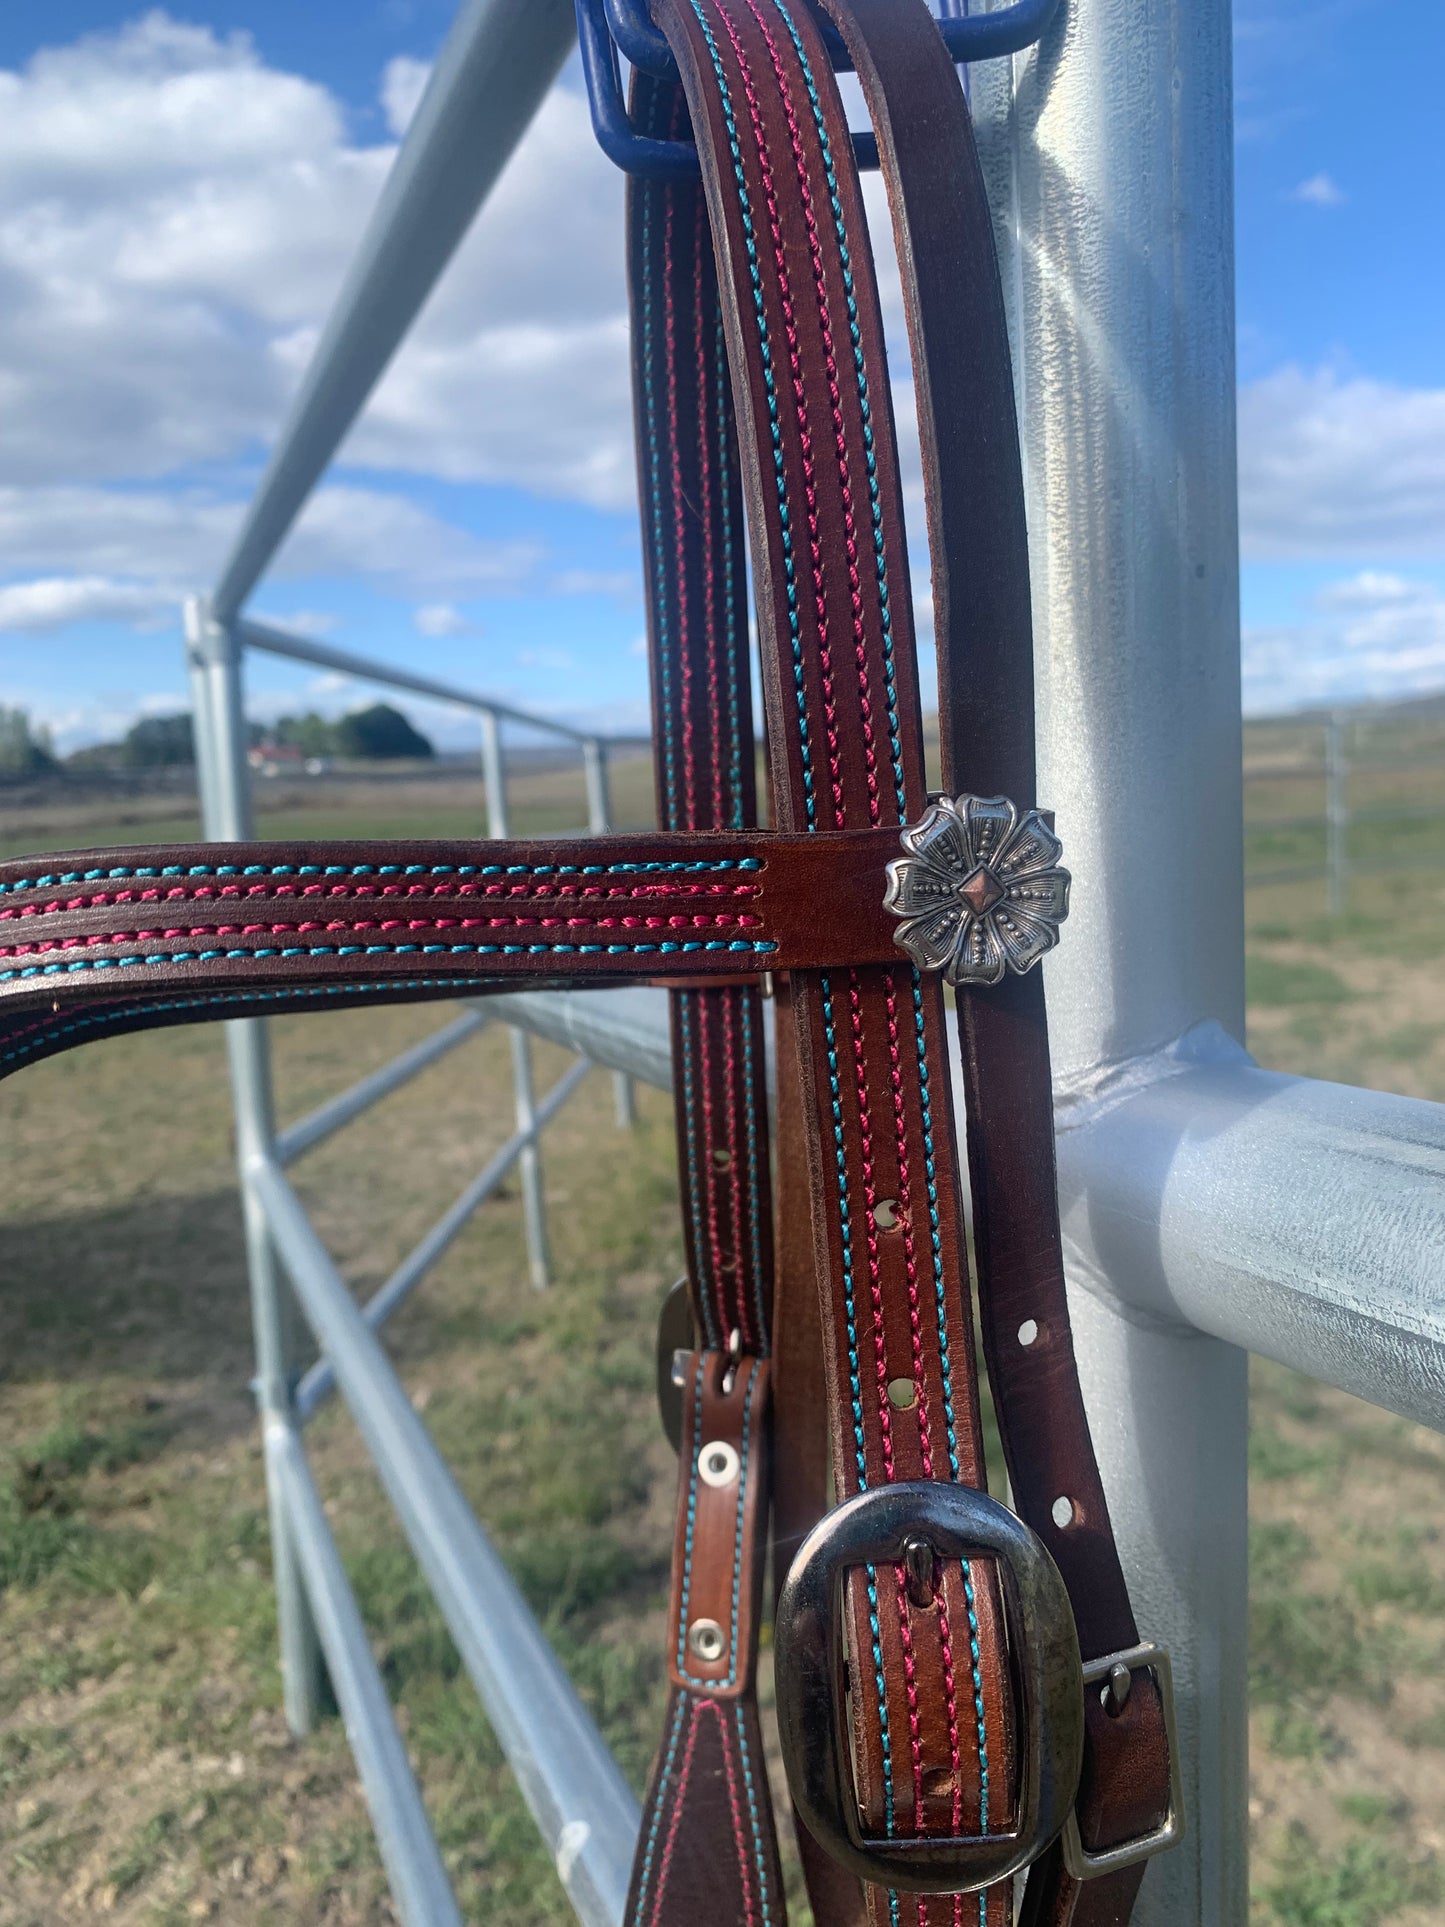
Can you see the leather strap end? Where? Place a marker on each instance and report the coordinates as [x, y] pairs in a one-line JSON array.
[[721, 1521]]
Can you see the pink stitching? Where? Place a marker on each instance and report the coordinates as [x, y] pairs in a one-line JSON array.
[[910, 1677], [805, 437], [714, 701], [704, 1010], [895, 1078], [371, 893], [835, 398], [955, 1754], [739, 1837], [684, 653], [679, 1794], [870, 1198], [343, 925], [696, 1709], [741, 1305]]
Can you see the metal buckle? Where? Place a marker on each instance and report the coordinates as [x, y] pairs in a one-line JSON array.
[[676, 1334], [1083, 1865], [874, 1528]]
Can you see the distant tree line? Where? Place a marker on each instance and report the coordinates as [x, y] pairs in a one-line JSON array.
[[375, 733], [25, 747]]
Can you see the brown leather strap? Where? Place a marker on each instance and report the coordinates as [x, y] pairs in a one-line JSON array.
[[159, 921], [801, 1477], [707, 1850], [979, 544], [934, 1731], [707, 1839]]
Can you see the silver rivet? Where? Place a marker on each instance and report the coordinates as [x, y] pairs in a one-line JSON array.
[[706, 1640], [718, 1463], [903, 1393]]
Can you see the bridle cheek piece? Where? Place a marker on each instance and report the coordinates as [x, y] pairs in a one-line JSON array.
[[962, 1692]]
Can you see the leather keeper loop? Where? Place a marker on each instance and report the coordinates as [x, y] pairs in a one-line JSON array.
[[721, 1514]]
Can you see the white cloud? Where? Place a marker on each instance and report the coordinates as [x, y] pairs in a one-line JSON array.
[[305, 622], [168, 207], [1319, 191], [1369, 589], [157, 539], [545, 658], [443, 619], [1369, 636], [47, 603], [621, 584], [1335, 468], [175, 220], [402, 86]]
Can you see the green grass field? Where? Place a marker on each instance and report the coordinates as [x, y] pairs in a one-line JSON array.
[[145, 1773]]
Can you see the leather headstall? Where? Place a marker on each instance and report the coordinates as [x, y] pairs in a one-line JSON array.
[[971, 1725]]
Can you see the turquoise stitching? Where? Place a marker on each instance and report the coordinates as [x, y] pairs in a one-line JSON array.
[[850, 1316], [383, 950], [975, 1657], [759, 1857], [968, 1595], [664, 1779], [855, 1380], [779, 469], [880, 561], [730, 534], [709, 867], [110, 1015], [931, 1176], [749, 1009], [738, 1534], [691, 1523], [878, 1682], [655, 475], [732, 1672], [704, 1292]]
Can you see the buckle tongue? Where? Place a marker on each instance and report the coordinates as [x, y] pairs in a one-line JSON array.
[[887, 1526], [1112, 1669]]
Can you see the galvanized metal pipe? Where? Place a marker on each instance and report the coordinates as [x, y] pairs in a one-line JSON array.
[[195, 619], [499, 59], [529, 1162], [626, 1030], [220, 724], [320, 1381], [1337, 820], [1298, 1219], [534, 1205], [1109, 156], [583, 1807], [414, 1870], [280, 642], [599, 821], [338, 1111]]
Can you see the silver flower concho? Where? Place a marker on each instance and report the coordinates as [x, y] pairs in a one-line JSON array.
[[980, 891]]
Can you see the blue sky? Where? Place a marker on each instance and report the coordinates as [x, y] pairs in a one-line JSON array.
[[180, 191]]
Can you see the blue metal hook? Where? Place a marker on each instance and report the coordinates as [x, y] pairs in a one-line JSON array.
[[605, 27]]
